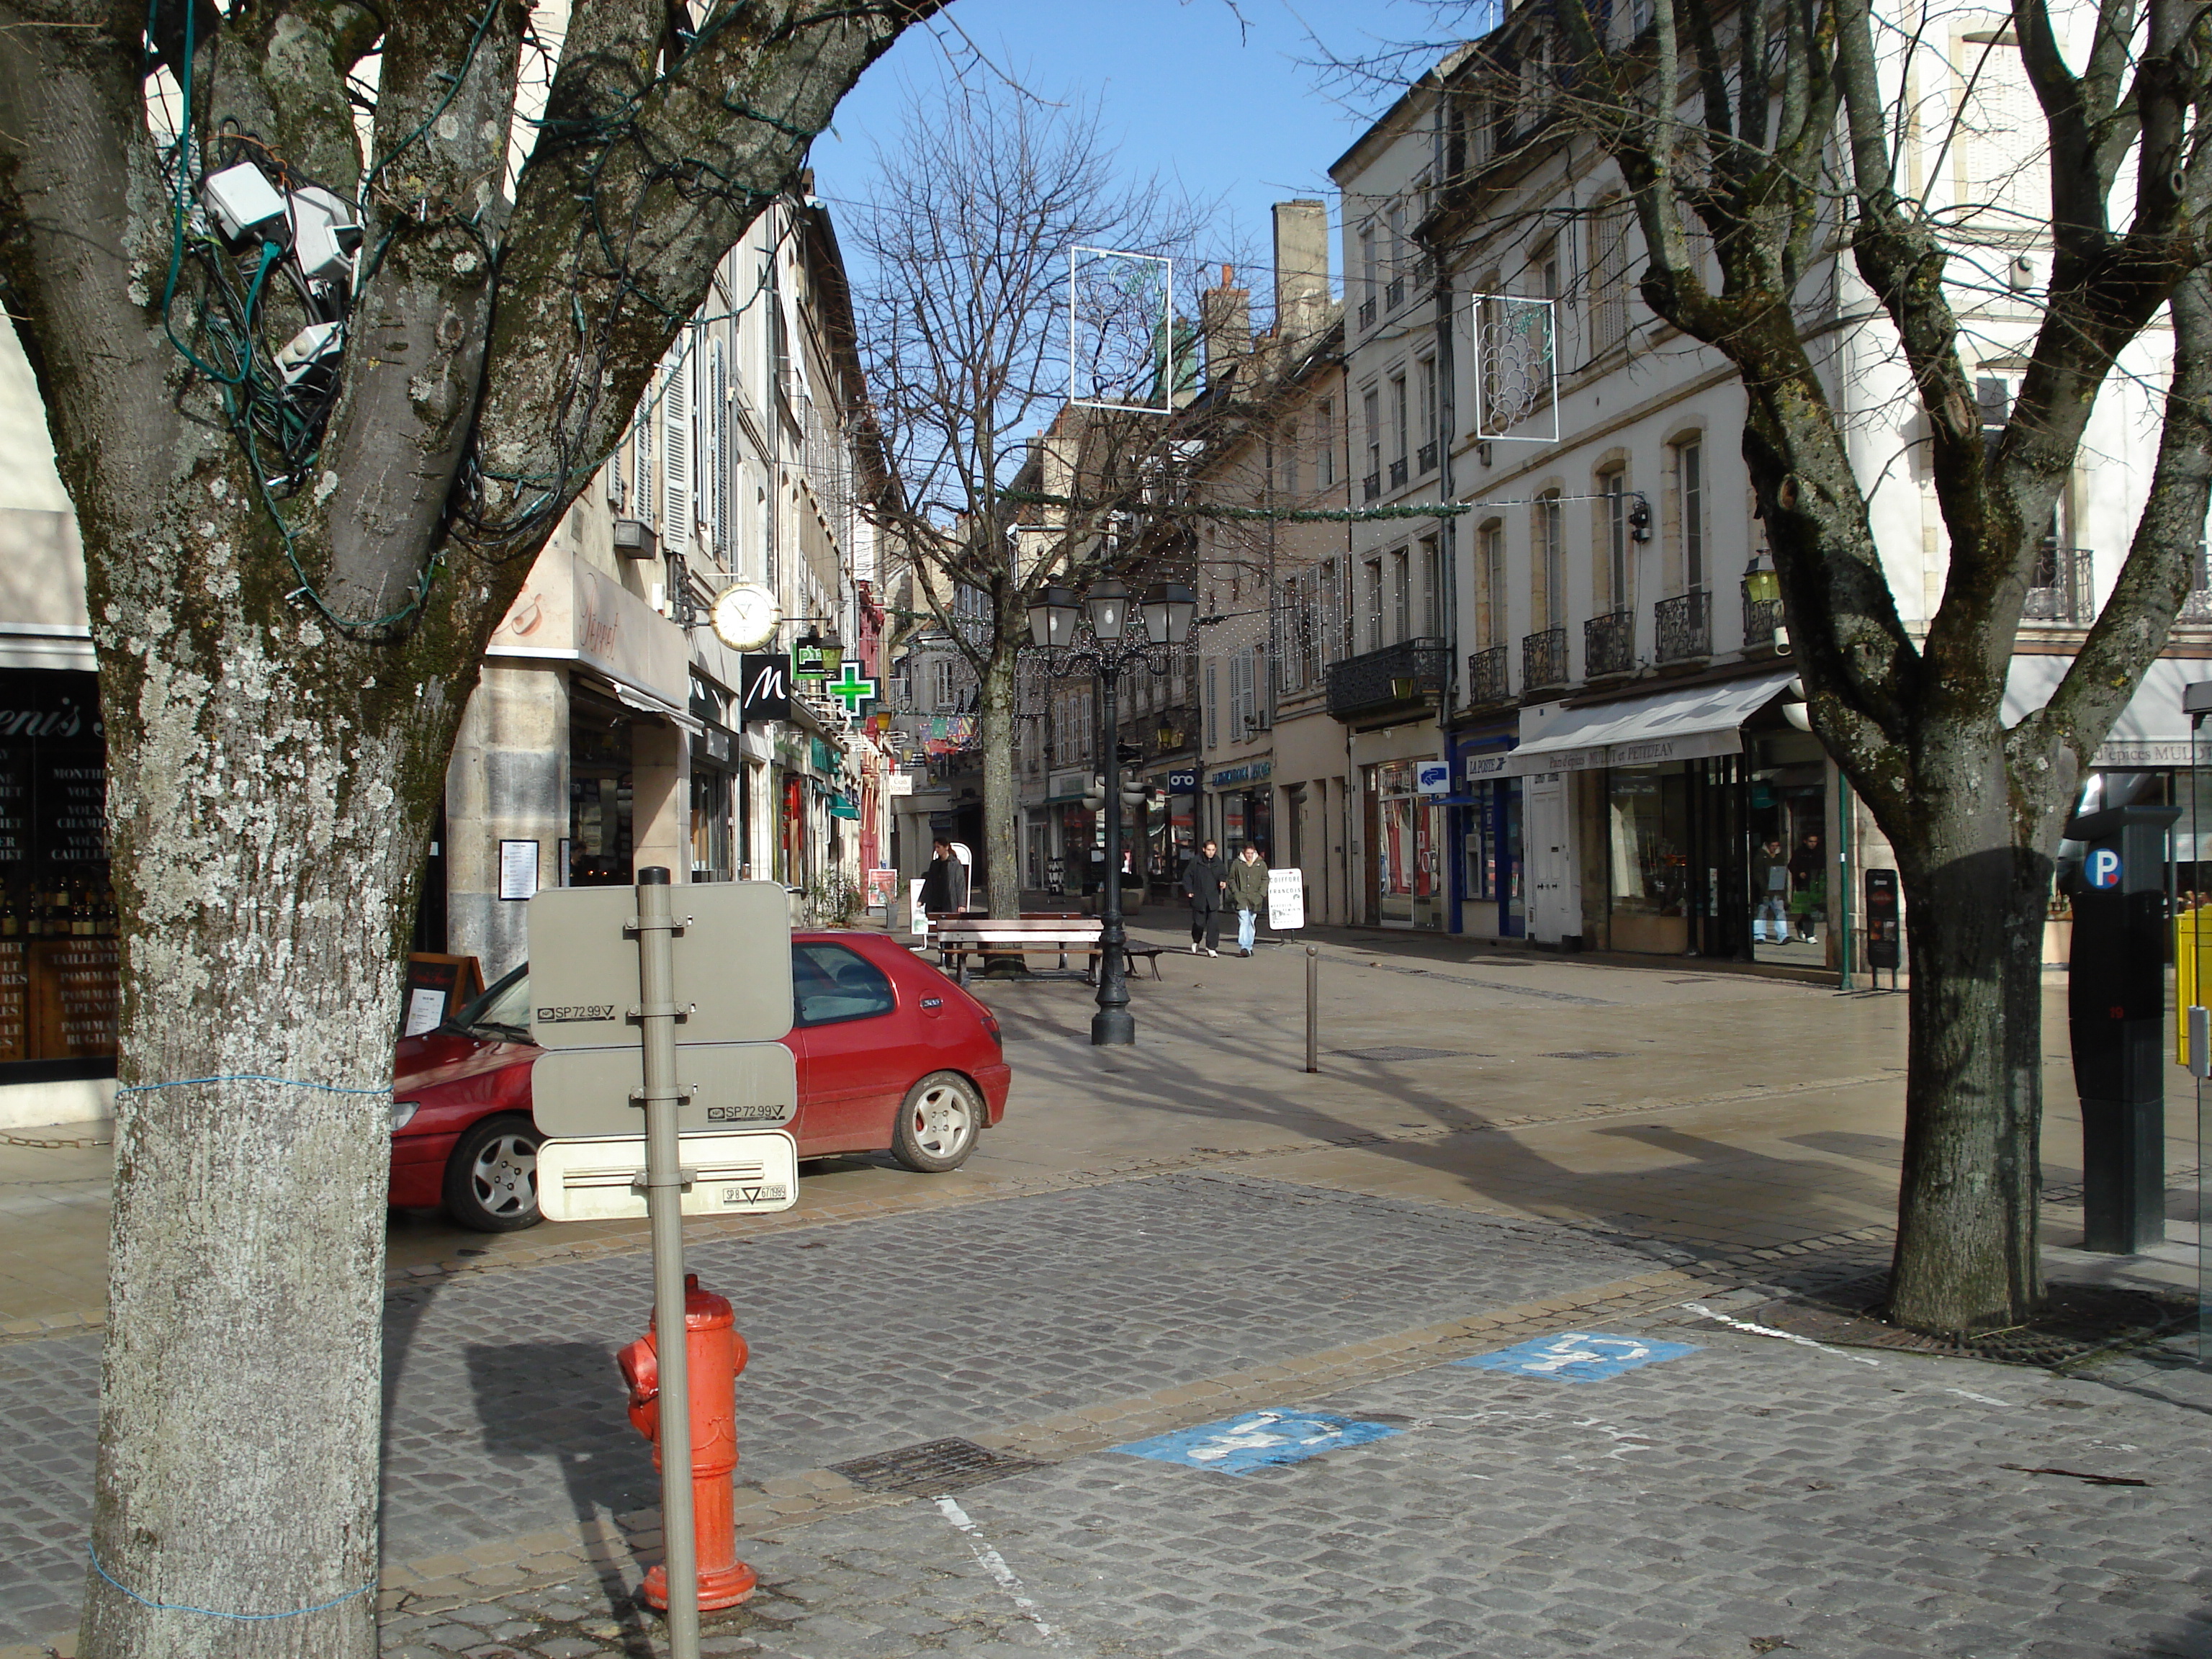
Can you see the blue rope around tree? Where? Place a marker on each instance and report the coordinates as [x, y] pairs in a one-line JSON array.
[[212, 1612], [254, 1077]]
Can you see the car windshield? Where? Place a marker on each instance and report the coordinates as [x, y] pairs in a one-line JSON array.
[[503, 1011]]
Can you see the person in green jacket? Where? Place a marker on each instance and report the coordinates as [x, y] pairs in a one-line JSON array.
[[1248, 894]]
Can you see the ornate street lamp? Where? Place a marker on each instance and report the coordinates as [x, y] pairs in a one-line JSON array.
[[1054, 615], [1167, 611]]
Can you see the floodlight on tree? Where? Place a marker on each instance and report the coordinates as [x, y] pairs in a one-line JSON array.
[[1516, 367], [1124, 350], [1170, 607], [1052, 617], [1106, 608]]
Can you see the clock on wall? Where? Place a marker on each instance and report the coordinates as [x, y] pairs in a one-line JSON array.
[[745, 616]]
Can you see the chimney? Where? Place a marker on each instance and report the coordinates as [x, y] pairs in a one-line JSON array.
[[1225, 319], [1300, 272]]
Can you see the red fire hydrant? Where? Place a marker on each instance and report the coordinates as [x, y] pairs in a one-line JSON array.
[[717, 1354]]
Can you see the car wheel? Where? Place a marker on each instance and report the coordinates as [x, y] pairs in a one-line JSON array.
[[491, 1180], [938, 1123]]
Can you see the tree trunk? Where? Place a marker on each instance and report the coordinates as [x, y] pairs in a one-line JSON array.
[[1001, 808], [1966, 1254], [269, 810]]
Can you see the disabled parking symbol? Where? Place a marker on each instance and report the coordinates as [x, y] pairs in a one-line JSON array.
[[1259, 1440], [1577, 1356]]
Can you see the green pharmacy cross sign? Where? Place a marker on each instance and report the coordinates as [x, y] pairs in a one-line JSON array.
[[852, 688]]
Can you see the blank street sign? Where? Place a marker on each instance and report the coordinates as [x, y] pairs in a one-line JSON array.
[[734, 1086], [597, 1179], [732, 964]]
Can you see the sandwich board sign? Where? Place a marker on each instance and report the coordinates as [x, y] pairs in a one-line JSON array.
[[1286, 900]]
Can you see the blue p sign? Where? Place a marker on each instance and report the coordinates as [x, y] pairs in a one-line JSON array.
[[2103, 867]]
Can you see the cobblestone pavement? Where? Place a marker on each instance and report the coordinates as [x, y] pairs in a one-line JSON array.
[[1750, 1497], [505, 1411]]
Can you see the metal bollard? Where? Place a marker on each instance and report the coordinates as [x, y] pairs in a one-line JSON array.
[[1313, 1006]]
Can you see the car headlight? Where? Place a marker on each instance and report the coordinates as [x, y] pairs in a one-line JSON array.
[[403, 1114]]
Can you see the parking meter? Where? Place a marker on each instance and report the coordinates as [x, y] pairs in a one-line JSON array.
[[2116, 1008]]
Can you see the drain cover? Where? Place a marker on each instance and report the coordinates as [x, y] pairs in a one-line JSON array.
[[932, 1467], [1397, 1051], [1587, 1054]]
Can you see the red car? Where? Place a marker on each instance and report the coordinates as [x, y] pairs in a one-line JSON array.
[[892, 1055]]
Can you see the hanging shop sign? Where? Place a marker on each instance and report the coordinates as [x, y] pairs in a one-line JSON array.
[[767, 693]]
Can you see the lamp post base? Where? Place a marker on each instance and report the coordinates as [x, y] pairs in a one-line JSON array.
[[1113, 1028]]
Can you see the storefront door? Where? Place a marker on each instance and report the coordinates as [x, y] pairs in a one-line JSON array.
[[1554, 883]]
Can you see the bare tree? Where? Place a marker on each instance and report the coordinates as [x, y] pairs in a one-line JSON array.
[[292, 577], [1764, 149], [964, 325]]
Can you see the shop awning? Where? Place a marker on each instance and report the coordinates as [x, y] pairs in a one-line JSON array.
[[1686, 724], [645, 704], [2151, 731]]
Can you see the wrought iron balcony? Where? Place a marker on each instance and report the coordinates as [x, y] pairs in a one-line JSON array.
[[1682, 627], [1427, 458], [1409, 672], [1760, 619], [1487, 681], [1609, 644], [1398, 473], [1370, 486], [1367, 313], [1544, 659], [2063, 591], [1395, 294]]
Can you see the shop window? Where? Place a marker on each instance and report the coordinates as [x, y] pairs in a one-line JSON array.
[[1648, 821], [1491, 846], [59, 962]]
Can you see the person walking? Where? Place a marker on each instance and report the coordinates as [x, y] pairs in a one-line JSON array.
[[1248, 894], [1809, 881], [1770, 881], [944, 884], [1204, 882]]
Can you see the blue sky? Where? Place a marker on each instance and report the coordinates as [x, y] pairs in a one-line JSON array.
[[1230, 112]]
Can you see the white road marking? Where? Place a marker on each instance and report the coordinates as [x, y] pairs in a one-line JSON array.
[[995, 1564], [1968, 1393], [1703, 1312]]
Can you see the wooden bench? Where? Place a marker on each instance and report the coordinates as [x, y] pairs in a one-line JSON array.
[[961, 938]]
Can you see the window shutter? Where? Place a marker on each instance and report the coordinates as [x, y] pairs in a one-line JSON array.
[[676, 457], [642, 493], [719, 402]]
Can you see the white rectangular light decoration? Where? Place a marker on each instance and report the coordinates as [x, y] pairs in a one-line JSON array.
[[1121, 331], [1517, 365]]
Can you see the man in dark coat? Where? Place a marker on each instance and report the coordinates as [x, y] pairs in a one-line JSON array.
[[944, 884], [1205, 885]]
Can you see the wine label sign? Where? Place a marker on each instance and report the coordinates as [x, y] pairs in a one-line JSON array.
[[732, 965]]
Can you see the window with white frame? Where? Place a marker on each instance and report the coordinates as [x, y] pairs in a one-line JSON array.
[[1689, 514], [1401, 595], [945, 685], [1548, 524], [1374, 606], [1490, 612], [1243, 713], [1425, 427], [1428, 576], [1324, 444], [1615, 573], [1608, 268], [1212, 704]]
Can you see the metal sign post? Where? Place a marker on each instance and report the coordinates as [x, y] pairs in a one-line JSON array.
[[612, 1046], [664, 1204], [1313, 1007]]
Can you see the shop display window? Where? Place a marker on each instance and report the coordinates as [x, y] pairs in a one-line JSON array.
[[1648, 818], [60, 964]]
